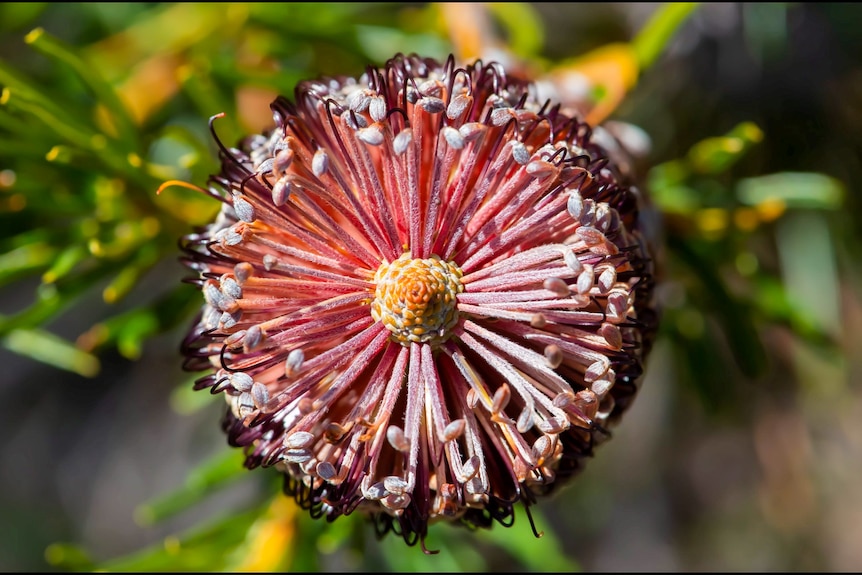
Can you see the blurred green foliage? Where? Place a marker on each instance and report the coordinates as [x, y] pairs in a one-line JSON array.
[[102, 103]]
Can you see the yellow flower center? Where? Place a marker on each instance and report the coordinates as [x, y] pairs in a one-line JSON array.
[[415, 299]]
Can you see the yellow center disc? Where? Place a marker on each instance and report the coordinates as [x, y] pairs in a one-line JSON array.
[[415, 298]]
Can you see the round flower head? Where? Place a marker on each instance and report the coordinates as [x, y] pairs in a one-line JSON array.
[[426, 295]]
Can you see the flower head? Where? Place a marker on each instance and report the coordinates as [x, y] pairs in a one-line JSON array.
[[426, 294]]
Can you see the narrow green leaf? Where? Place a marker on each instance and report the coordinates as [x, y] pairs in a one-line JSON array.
[[68, 557], [706, 371], [210, 100], [185, 400], [794, 189], [525, 34], [398, 558], [82, 137], [22, 148], [131, 329], [155, 32], [272, 542], [30, 237], [652, 39], [311, 537], [380, 42], [130, 341], [676, 199], [48, 348], [15, 124], [771, 298], [52, 298], [204, 548], [200, 482], [809, 269], [103, 92], [13, 80], [717, 155], [48, 303], [537, 554], [734, 315], [144, 259], [24, 260], [65, 262], [29, 101], [14, 15], [178, 151]]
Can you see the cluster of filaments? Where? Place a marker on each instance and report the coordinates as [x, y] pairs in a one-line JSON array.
[[421, 294]]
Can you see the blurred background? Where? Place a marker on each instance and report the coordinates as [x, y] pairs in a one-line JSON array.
[[743, 451]]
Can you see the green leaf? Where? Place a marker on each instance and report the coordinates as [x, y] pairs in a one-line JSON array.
[[131, 329], [525, 34], [69, 557], [210, 100], [144, 259], [696, 349], [185, 400], [103, 92], [809, 270], [674, 185], [17, 14], [158, 31], [793, 189], [202, 481], [271, 543], [48, 348], [770, 297], [716, 155], [380, 43], [23, 148], [65, 262], [204, 548], [540, 554], [21, 261], [15, 124], [652, 39], [21, 96], [52, 298], [734, 315]]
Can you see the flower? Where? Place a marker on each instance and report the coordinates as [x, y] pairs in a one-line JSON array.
[[427, 295]]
